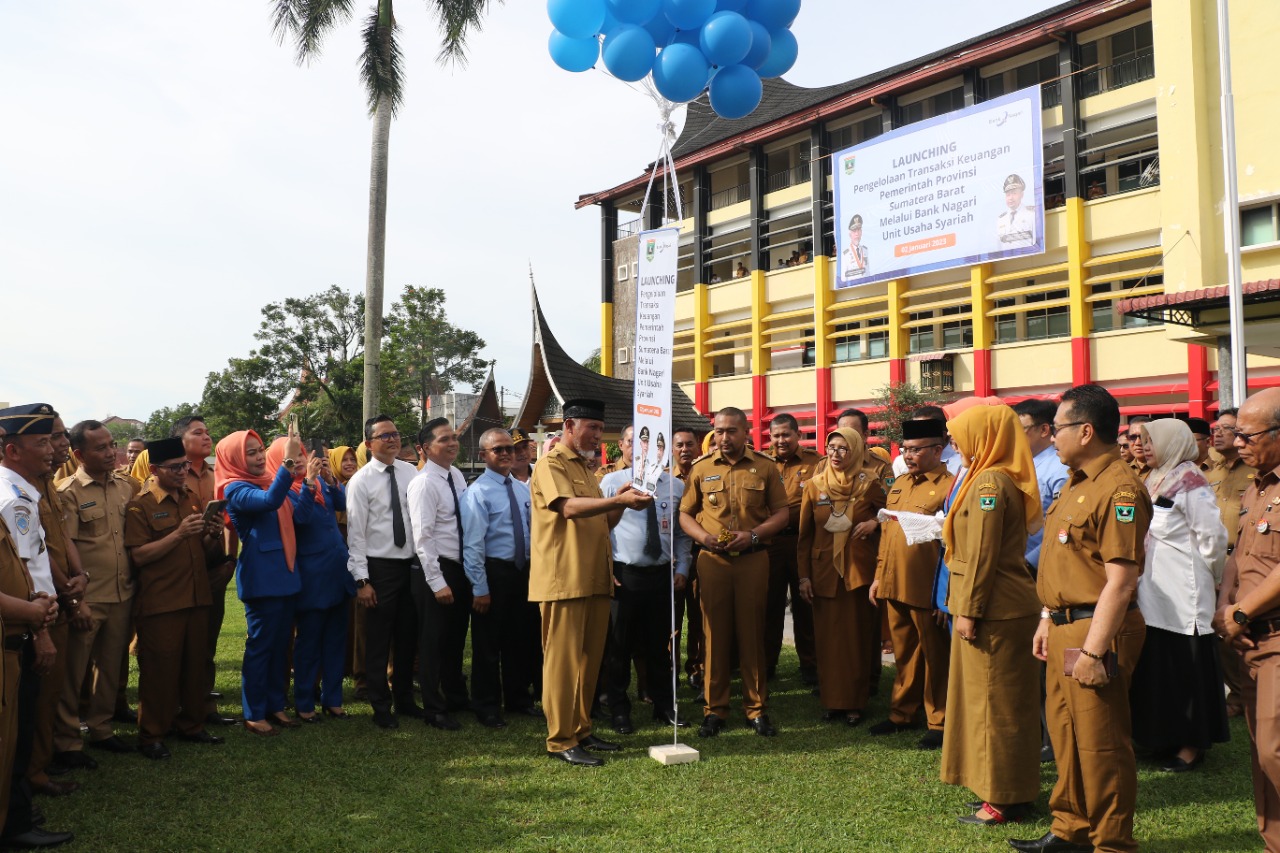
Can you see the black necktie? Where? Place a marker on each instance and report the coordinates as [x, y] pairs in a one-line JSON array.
[[517, 525], [652, 541], [397, 514], [457, 510]]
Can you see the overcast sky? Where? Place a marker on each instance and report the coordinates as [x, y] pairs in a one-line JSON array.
[[166, 170]]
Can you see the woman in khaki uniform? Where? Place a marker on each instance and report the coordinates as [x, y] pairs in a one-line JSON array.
[[992, 744], [836, 556]]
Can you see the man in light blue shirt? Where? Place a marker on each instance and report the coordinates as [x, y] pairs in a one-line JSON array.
[[506, 628], [1036, 417], [641, 608]]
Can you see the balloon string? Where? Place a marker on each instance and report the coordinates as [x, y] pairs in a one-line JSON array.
[[667, 133]]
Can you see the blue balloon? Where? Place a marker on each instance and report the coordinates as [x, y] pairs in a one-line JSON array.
[[628, 52], [774, 14], [782, 54], [688, 14], [661, 29], [693, 37], [635, 11], [735, 91], [730, 5], [576, 18], [680, 72], [573, 54], [726, 38], [761, 41], [610, 23]]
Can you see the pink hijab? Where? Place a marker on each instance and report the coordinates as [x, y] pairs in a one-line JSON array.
[[230, 467]]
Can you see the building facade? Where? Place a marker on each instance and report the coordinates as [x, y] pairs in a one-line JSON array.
[[1134, 227]]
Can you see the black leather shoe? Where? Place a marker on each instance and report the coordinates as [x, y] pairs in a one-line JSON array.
[[670, 719], [491, 721], [532, 711], [37, 816], [889, 727], [578, 757], [808, 676], [1050, 843], [761, 726], [711, 726], [111, 744], [215, 695], [203, 737], [1046, 755], [76, 760], [442, 721], [128, 715], [597, 745], [215, 719], [155, 751], [932, 740], [411, 710], [385, 720], [35, 839], [622, 724]]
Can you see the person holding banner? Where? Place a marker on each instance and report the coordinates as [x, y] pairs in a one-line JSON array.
[[853, 260], [733, 504]]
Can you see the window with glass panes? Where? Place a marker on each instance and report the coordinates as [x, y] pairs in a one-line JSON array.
[[1260, 224]]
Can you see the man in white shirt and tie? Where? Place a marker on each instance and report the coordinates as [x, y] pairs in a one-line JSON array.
[[382, 562], [441, 590]]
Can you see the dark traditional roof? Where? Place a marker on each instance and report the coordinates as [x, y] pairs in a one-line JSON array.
[[555, 377], [1186, 307]]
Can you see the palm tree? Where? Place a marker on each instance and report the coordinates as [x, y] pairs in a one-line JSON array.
[[305, 23]]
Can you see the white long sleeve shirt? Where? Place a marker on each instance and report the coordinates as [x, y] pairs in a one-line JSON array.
[[369, 526], [1186, 552], [435, 526]]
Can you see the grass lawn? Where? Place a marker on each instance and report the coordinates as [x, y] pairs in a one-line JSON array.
[[350, 786]]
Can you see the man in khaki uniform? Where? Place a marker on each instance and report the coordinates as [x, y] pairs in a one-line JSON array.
[[1230, 478], [1248, 616], [1092, 555], [571, 576], [1139, 463], [686, 447], [904, 581], [623, 461], [797, 465], [169, 543], [93, 504], [733, 503]]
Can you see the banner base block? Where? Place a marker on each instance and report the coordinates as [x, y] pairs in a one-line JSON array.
[[673, 753]]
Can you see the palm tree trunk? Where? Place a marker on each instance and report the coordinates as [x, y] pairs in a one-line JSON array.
[[376, 260]]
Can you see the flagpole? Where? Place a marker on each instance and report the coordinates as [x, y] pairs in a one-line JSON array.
[[1231, 217]]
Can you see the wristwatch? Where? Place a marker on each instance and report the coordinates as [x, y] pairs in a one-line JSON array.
[[755, 540], [289, 463], [1239, 617], [362, 583]]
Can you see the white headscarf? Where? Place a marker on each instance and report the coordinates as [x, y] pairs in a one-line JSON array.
[[1174, 445]]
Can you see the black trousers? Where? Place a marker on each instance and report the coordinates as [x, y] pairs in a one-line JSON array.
[[641, 611], [391, 628], [504, 642], [19, 817], [442, 639]]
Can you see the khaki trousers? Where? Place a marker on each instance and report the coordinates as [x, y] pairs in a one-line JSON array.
[[47, 706], [922, 652], [1097, 789], [93, 664], [8, 727], [573, 637], [734, 592], [1262, 713], [171, 673]]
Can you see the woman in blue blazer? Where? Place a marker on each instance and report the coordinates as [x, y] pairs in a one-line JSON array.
[[258, 505], [320, 648]]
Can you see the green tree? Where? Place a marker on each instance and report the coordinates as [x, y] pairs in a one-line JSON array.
[[896, 402], [426, 354], [592, 362], [162, 420], [121, 432], [306, 23], [244, 395]]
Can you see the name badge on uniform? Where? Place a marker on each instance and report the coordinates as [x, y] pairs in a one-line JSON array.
[[823, 500], [711, 479], [164, 514], [88, 505]]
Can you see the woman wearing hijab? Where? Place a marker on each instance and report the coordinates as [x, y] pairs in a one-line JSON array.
[[266, 580], [342, 465], [992, 742], [320, 613], [836, 557], [1176, 697]]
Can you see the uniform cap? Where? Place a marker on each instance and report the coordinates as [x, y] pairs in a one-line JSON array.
[[1199, 426], [644, 433], [856, 221], [1013, 182], [930, 428], [28, 419], [519, 437], [583, 407], [165, 449]]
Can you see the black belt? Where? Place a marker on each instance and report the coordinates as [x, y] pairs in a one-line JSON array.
[[1074, 614], [1259, 628], [16, 642], [618, 564]]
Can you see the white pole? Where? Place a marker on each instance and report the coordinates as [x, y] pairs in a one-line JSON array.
[[1231, 216]]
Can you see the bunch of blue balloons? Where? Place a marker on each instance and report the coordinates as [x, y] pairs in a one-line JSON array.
[[686, 46]]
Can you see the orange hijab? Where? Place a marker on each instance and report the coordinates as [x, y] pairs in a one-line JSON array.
[[230, 467], [275, 459], [990, 438]]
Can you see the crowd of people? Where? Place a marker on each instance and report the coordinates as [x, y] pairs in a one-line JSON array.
[[1049, 592]]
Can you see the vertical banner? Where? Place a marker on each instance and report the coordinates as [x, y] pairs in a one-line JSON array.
[[655, 330]]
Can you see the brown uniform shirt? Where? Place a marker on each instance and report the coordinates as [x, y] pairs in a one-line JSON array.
[[94, 514], [814, 558], [738, 496], [1101, 515], [796, 470], [1257, 552], [177, 580], [569, 559], [14, 579], [55, 531], [1230, 481], [201, 485], [619, 464], [906, 572], [988, 565]]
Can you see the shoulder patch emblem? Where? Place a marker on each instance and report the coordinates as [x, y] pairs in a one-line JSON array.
[[986, 503], [889, 481], [22, 518], [1125, 503]]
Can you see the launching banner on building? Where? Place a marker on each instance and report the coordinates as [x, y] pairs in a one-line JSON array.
[[655, 331], [962, 188]]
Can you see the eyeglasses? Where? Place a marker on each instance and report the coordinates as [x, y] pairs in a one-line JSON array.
[[179, 468], [1134, 436], [1221, 430], [388, 436], [503, 448], [1248, 437], [842, 450], [915, 451], [1054, 429]]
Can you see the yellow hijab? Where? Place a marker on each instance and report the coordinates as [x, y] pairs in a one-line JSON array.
[[843, 486], [362, 455], [990, 438], [336, 455]]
